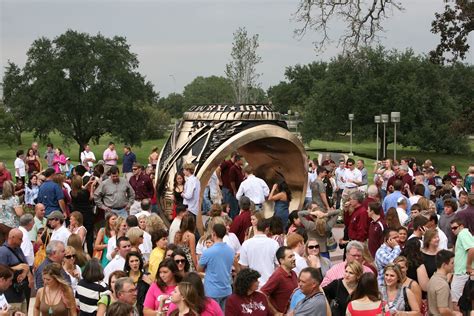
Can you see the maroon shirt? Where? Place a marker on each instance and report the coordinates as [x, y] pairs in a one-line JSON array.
[[240, 225], [358, 228], [256, 305], [376, 230], [236, 175], [225, 168], [4, 176], [405, 179], [143, 186], [279, 288], [366, 203]]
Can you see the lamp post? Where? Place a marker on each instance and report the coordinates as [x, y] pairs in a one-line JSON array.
[[351, 118], [289, 120], [377, 120], [395, 118], [296, 121], [384, 118]]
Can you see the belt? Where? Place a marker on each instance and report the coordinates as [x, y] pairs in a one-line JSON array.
[[119, 208]]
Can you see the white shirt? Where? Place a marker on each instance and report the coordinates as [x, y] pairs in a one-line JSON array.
[[192, 189], [254, 188], [300, 263], [146, 247], [20, 170], [27, 246], [74, 281], [311, 178], [339, 173], [230, 239], [111, 245], [3, 302], [85, 155], [174, 228], [458, 190], [118, 263], [353, 175], [61, 234], [443, 239], [402, 215], [258, 253], [414, 199], [213, 185]]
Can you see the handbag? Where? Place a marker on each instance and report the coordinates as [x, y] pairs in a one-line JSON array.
[[40, 255], [334, 305], [98, 253]]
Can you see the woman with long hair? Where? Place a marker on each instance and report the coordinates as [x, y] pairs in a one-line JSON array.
[[179, 257], [185, 297], [319, 227], [254, 218], [33, 162], [56, 297], [392, 219], [281, 195], [10, 210], [71, 268], [82, 202], [134, 267], [103, 236], [108, 299], [167, 278], [402, 263], [397, 297], [186, 240], [89, 289], [339, 291], [276, 232], [294, 222], [120, 229], [76, 226], [178, 188], [31, 191], [153, 157], [366, 299], [246, 300], [159, 240], [207, 306], [313, 257], [429, 250], [81, 256]]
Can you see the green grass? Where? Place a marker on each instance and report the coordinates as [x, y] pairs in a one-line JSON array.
[[8, 154], [440, 160]]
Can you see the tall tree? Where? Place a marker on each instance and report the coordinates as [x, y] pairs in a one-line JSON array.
[[83, 87], [205, 90], [453, 26], [241, 70], [174, 104]]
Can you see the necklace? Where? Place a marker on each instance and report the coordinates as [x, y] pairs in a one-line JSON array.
[[50, 309]]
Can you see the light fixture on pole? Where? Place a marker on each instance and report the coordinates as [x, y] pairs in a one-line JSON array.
[[289, 120], [351, 118], [395, 118], [384, 118], [296, 121], [377, 120]]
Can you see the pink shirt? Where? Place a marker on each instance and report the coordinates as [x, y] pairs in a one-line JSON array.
[[211, 308], [151, 299], [109, 155], [57, 161]]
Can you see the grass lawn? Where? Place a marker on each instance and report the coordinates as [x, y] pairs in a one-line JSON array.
[[7, 154], [367, 149]]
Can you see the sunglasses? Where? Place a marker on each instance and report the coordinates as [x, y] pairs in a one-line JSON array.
[[313, 247], [454, 227], [70, 256], [180, 261]]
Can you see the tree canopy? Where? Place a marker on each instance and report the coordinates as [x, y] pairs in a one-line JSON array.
[[435, 101], [81, 86]]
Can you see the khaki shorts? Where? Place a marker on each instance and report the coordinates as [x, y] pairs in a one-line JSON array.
[[457, 286]]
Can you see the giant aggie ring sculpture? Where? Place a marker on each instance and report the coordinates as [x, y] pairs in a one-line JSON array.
[[207, 134]]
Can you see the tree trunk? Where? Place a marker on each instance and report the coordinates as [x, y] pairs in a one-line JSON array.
[[18, 139]]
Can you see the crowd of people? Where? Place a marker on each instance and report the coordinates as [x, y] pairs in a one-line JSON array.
[[90, 240]]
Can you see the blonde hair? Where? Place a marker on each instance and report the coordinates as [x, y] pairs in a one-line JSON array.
[[356, 268], [134, 234], [118, 222], [154, 223], [320, 226], [53, 270], [8, 190], [395, 268], [78, 217]]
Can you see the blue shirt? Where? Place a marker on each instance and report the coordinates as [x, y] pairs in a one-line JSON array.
[[391, 201], [128, 160], [218, 261], [49, 195], [9, 259]]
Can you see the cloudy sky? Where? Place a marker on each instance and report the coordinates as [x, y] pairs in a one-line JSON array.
[[178, 40]]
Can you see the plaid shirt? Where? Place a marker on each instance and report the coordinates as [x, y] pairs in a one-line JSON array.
[[384, 256]]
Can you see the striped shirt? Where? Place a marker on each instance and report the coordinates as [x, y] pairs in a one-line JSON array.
[[88, 295]]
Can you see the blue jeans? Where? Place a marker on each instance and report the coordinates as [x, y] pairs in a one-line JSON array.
[[206, 202], [221, 301], [326, 255], [120, 212]]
